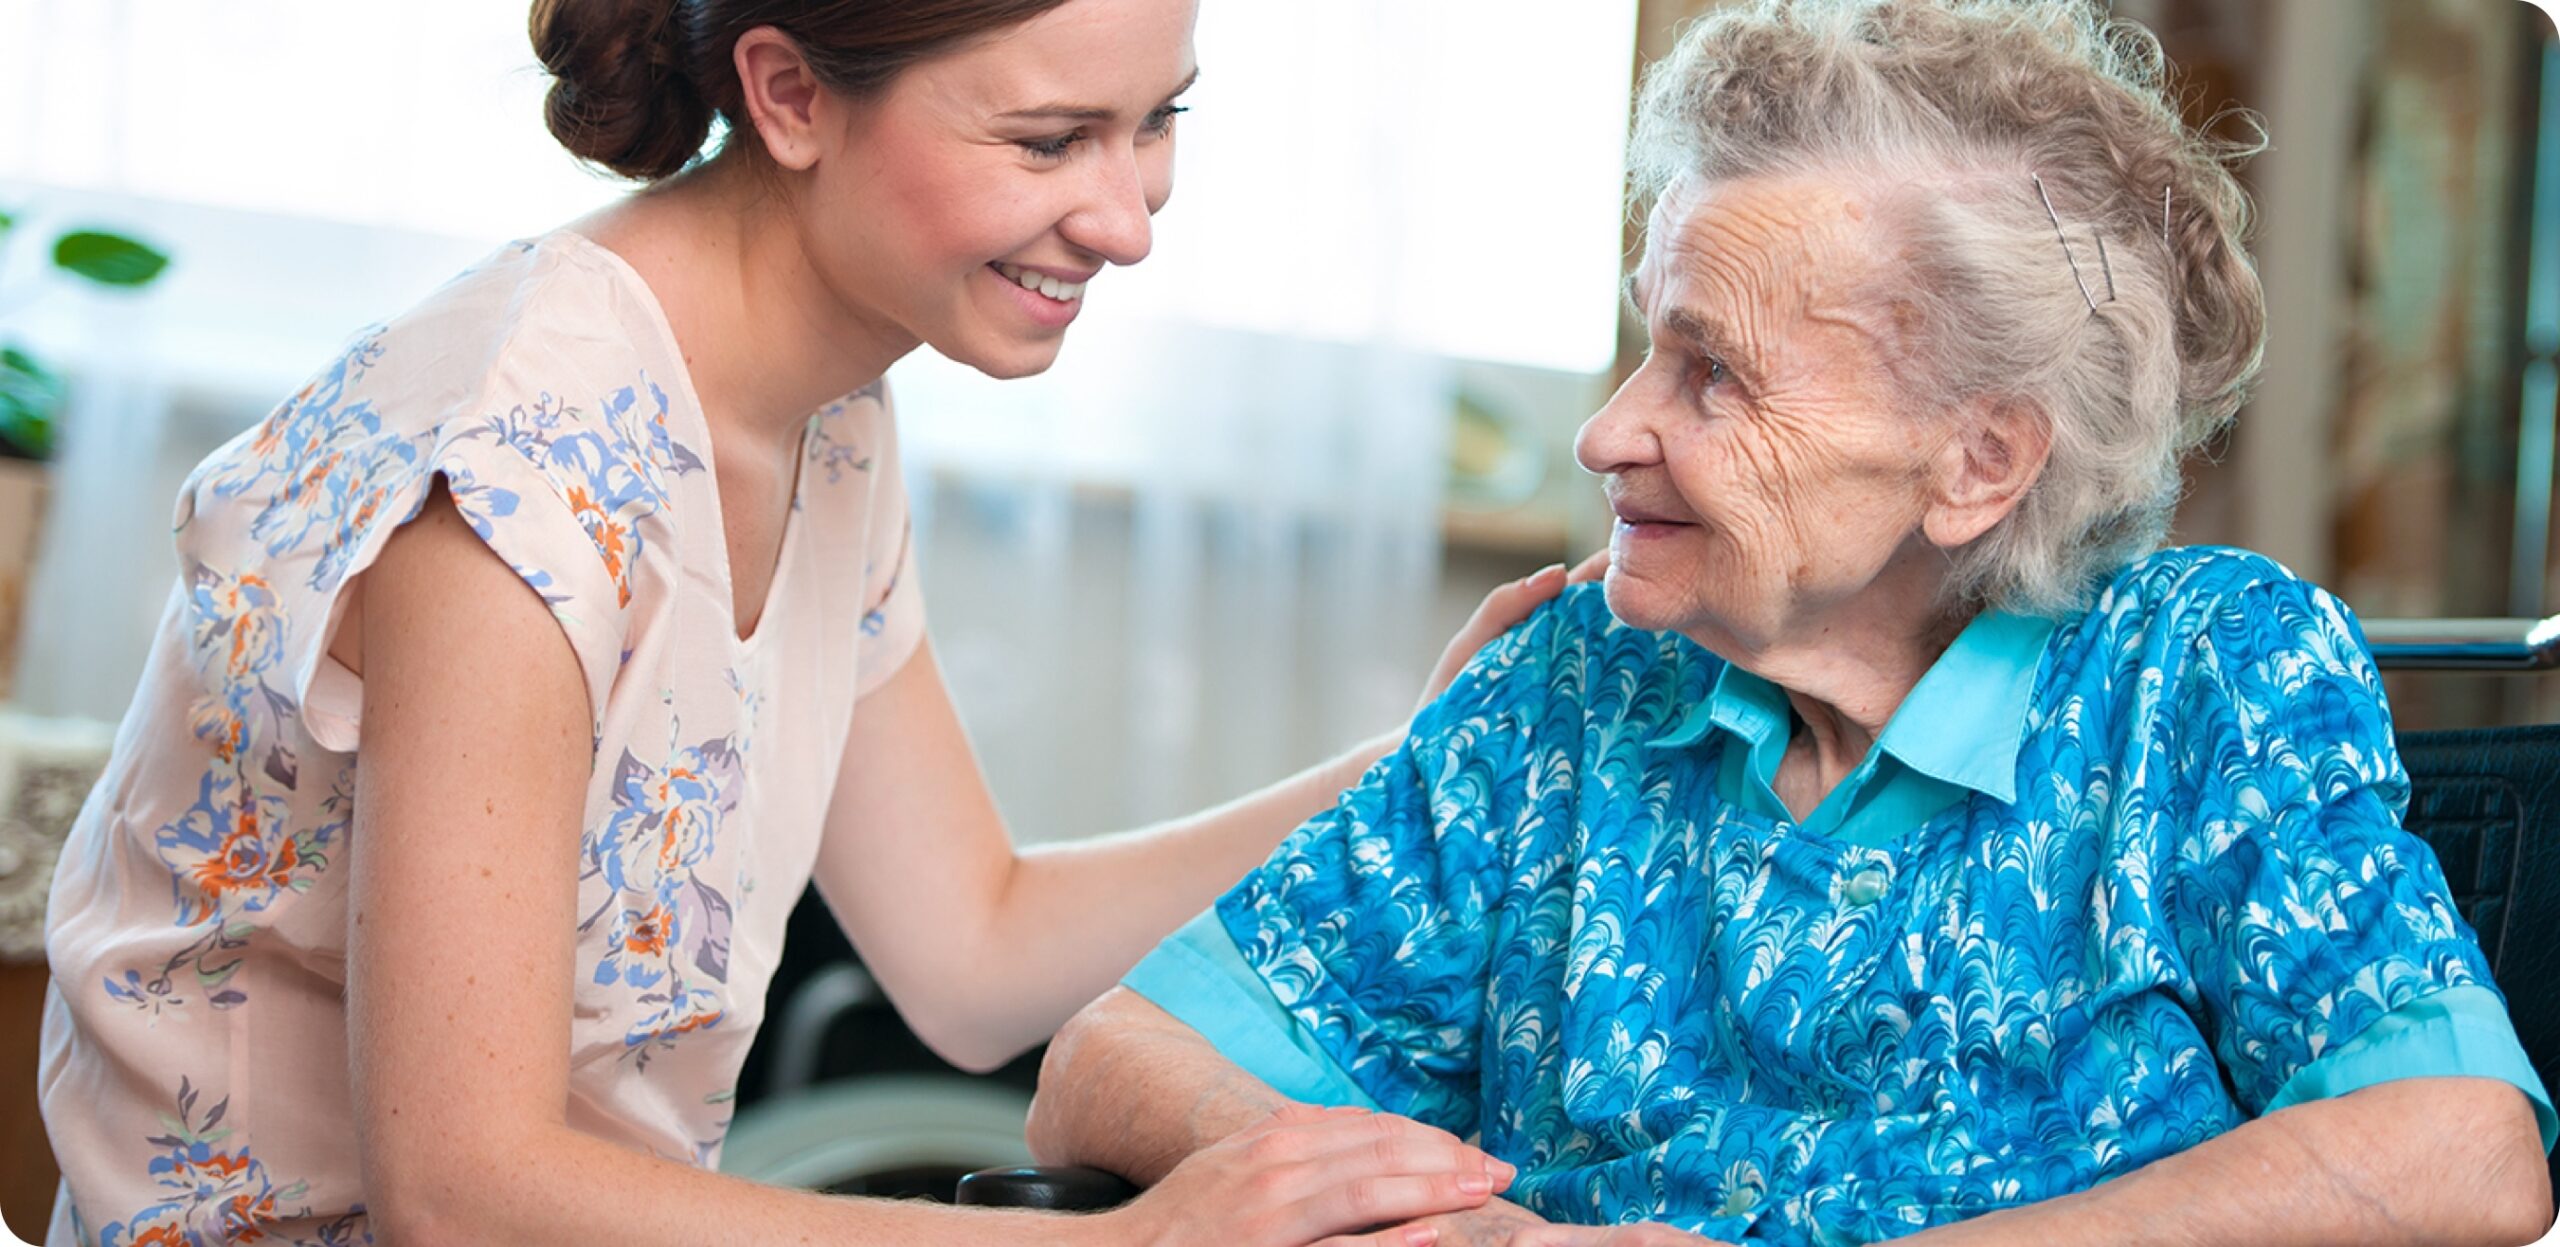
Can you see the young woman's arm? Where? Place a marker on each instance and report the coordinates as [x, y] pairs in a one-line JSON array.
[[462, 910], [987, 950]]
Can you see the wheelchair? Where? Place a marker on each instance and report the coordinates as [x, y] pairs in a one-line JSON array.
[[2487, 800]]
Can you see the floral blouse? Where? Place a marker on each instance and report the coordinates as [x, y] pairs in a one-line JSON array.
[[2184, 900], [195, 1078]]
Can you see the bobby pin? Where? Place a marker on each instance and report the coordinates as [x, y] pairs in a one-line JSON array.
[[2074, 260]]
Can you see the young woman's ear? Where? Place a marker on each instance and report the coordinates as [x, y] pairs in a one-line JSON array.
[[782, 94], [1985, 469]]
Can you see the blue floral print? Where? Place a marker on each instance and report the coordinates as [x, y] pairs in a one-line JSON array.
[[218, 1192], [670, 929]]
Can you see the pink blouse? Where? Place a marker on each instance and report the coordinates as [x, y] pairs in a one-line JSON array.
[[194, 1078]]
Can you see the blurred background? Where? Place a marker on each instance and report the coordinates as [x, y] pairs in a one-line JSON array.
[[1279, 461]]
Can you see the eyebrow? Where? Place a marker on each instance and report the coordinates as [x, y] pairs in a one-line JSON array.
[[1695, 329], [1708, 336], [1088, 112]]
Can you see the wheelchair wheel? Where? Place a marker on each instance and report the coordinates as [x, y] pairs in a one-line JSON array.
[[895, 1136]]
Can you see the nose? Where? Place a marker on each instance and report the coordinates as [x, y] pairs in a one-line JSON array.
[[1620, 436], [1113, 221]]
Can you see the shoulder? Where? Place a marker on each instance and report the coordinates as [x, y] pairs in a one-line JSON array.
[[542, 323], [1643, 670], [2230, 657], [557, 312], [2209, 605], [1573, 667], [2185, 579], [526, 385]]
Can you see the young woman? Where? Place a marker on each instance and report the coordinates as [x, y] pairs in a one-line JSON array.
[[528, 663]]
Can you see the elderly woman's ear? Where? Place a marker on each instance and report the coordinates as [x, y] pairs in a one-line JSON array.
[[1992, 455]]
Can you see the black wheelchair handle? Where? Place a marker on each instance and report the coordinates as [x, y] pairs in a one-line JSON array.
[[1049, 1188]]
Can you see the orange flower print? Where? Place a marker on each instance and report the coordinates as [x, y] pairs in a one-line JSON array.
[[238, 626], [217, 723], [247, 860], [232, 850], [283, 444], [683, 1012], [611, 536], [670, 927], [637, 947], [326, 466], [665, 822], [165, 1234], [211, 1194], [649, 935]]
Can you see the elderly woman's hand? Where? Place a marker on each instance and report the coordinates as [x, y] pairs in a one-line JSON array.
[[1305, 1174], [1649, 1234], [1507, 605], [1501, 1223]]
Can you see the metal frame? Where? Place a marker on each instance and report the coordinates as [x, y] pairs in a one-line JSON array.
[[2464, 644]]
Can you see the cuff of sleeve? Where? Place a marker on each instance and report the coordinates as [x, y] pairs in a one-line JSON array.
[[1200, 977], [893, 630], [2456, 1032]]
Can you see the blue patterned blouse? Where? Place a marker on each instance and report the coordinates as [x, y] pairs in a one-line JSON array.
[[1558, 920]]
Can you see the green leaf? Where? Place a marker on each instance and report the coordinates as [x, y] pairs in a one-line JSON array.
[[6, 220], [30, 398], [108, 259]]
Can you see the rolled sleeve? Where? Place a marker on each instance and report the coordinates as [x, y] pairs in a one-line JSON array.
[[2460, 1032], [1198, 976]]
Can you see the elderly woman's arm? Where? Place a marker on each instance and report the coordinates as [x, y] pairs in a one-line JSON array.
[[2436, 1161], [1128, 1088]]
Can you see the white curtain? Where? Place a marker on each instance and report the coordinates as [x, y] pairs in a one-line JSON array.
[[1228, 580]]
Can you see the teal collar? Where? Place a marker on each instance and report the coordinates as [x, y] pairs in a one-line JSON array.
[[1963, 721], [1960, 726]]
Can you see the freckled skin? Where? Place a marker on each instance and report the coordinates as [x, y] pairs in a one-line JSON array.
[[1806, 480]]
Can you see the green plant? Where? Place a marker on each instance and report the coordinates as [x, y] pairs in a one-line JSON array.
[[31, 394]]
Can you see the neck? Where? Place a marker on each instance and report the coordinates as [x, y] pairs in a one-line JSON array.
[[766, 341], [1848, 668]]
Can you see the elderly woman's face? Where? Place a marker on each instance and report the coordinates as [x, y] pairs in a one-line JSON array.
[[1762, 472]]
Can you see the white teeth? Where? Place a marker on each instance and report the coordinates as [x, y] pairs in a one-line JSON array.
[[1041, 284]]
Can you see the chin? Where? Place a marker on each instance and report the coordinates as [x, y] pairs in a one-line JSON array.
[[1635, 603], [1653, 606], [1005, 361], [1015, 369]]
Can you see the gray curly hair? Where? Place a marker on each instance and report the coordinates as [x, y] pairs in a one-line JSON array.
[[1954, 110]]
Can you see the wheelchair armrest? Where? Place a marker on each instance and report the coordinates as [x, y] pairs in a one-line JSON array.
[[1050, 1188]]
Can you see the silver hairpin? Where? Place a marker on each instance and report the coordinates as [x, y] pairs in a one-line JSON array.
[[2059, 237], [2164, 217]]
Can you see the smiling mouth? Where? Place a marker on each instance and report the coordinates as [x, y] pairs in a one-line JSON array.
[[1041, 284], [1640, 518]]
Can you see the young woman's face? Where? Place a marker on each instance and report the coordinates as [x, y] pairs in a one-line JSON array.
[[969, 203]]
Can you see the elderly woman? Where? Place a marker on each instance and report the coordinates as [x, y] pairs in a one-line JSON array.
[[1906, 838]]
